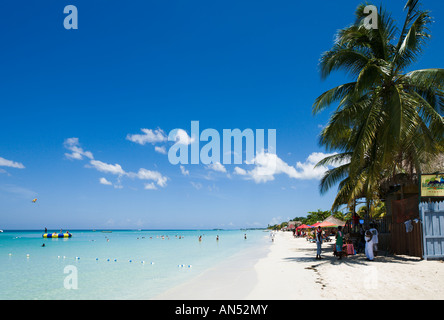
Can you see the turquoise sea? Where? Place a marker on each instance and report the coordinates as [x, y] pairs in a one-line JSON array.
[[122, 264]]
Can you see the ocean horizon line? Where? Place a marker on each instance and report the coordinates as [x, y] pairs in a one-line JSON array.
[[117, 229]]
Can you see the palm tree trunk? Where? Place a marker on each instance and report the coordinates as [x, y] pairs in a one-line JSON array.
[[367, 214]]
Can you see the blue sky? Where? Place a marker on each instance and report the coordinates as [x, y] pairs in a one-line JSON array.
[[71, 101]]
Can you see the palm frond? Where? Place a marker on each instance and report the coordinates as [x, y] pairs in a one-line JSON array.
[[332, 95]]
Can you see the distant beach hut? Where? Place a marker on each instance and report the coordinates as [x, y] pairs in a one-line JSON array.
[[293, 224]]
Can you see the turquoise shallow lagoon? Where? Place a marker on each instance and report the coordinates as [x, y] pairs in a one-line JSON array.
[[118, 265]]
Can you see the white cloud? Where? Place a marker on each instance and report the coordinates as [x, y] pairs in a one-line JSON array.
[[267, 165], [217, 167], [73, 145], [77, 153], [184, 171], [107, 168], [74, 156], [240, 171], [151, 136], [148, 136], [182, 137], [315, 157], [142, 174], [161, 149], [8, 163], [145, 174], [307, 170], [150, 186], [105, 182]]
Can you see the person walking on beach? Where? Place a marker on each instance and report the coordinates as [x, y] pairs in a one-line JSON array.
[[318, 242], [361, 243], [339, 242]]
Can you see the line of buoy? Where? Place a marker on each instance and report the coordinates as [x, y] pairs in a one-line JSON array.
[[97, 259], [130, 260]]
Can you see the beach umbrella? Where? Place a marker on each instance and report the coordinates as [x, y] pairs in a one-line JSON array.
[[327, 224], [315, 225], [303, 226]]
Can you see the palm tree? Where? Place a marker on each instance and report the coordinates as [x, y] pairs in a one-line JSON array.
[[388, 118], [377, 210]]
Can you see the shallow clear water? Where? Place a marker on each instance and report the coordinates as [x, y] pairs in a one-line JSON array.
[[29, 271]]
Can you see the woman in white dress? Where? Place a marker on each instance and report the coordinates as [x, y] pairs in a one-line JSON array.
[[375, 234], [369, 245]]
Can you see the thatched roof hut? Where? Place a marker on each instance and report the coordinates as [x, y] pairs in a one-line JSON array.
[[335, 221]]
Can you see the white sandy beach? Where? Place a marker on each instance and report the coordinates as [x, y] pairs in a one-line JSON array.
[[287, 270]]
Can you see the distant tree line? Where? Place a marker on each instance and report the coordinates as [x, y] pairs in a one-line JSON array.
[[313, 217]]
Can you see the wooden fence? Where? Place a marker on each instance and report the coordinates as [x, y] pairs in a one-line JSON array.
[[406, 240], [406, 243]]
